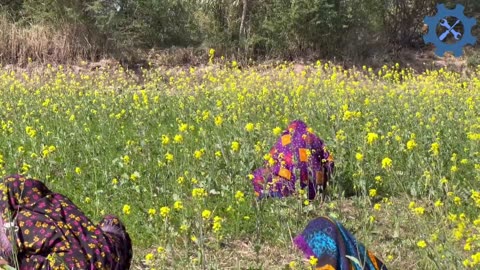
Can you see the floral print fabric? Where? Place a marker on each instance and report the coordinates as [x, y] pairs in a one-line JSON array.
[[50, 232], [298, 153], [329, 242]]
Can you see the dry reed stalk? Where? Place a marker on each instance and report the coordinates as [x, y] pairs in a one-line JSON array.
[[40, 43]]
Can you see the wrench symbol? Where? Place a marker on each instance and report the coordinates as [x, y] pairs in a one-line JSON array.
[[450, 29]]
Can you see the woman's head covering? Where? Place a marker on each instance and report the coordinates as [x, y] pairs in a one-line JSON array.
[[50, 231], [114, 229], [298, 150], [329, 242]]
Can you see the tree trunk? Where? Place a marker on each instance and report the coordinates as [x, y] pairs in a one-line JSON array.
[[242, 22], [241, 33]]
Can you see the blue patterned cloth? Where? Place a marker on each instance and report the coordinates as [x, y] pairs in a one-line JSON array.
[[329, 242]]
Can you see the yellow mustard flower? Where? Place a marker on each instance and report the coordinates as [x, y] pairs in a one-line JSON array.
[[372, 137], [206, 214], [178, 205], [249, 127], [165, 211], [386, 163], [235, 146], [126, 209], [422, 244]]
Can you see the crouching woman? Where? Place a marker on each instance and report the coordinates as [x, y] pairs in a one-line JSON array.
[[40, 229], [298, 150]]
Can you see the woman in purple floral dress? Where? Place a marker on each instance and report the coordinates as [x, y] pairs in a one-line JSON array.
[[297, 153], [50, 232]]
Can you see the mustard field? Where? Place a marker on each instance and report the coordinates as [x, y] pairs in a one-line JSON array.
[[171, 154]]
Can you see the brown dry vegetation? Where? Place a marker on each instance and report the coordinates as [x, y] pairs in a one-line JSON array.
[[40, 43]]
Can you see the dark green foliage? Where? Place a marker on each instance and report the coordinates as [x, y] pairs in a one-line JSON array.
[[11, 7], [145, 23], [297, 26]]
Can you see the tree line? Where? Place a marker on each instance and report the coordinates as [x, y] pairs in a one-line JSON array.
[[347, 29]]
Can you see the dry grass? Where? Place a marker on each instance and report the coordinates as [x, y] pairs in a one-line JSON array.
[[39, 43]]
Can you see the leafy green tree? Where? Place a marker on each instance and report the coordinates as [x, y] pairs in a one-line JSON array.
[[145, 23], [12, 8]]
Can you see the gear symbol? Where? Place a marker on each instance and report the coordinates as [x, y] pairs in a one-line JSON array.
[[442, 13]]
